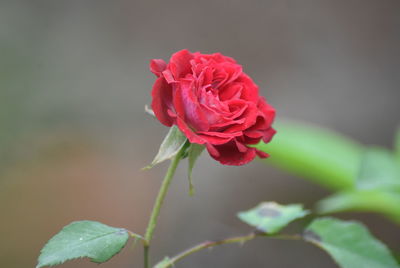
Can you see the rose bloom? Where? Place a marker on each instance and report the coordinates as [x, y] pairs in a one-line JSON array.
[[214, 103]]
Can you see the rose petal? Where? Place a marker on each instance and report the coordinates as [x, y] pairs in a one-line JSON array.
[[241, 147], [262, 154], [220, 126], [212, 151], [216, 57], [168, 76], [188, 108], [161, 101], [268, 135], [179, 63], [228, 154], [226, 73], [250, 141], [220, 134], [190, 134], [250, 115], [231, 91], [157, 66], [215, 140], [254, 133], [250, 89], [267, 111]]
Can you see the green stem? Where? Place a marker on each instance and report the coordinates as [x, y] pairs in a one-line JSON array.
[[146, 255], [158, 204], [236, 239], [208, 244]]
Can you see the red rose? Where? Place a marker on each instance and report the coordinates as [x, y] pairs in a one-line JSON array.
[[213, 102]]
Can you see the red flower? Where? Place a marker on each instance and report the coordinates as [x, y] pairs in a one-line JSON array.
[[213, 102]]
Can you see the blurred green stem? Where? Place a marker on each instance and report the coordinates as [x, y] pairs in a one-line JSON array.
[[158, 204]]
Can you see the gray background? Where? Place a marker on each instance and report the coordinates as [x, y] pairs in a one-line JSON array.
[[74, 79]]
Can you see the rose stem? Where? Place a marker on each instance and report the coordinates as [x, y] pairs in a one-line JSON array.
[[231, 240], [158, 203]]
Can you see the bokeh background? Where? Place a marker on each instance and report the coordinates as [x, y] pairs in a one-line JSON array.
[[74, 80]]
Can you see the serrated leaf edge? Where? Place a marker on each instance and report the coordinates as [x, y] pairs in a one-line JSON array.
[[85, 256]]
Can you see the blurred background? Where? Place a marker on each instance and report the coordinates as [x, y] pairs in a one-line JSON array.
[[74, 80]]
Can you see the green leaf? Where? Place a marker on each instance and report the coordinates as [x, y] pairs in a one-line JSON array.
[[194, 152], [379, 170], [349, 243], [384, 202], [171, 145], [91, 239], [166, 262], [314, 153], [378, 188], [270, 217]]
